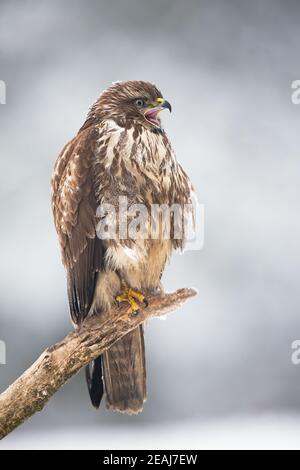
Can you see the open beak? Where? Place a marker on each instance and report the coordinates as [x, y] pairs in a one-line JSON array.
[[151, 114]]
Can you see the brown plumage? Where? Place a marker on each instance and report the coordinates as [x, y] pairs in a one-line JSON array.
[[121, 150]]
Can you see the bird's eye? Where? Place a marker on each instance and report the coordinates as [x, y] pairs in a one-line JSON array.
[[140, 103]]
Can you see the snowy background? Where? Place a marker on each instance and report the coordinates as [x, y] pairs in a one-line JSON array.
[[219, 370]]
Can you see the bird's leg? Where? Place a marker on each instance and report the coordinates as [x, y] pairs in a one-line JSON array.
[[130, 296]]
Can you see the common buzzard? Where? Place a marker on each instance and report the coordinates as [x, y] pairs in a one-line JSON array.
[[121, 151]]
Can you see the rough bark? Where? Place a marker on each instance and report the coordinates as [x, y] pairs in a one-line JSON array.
[[32, 390]]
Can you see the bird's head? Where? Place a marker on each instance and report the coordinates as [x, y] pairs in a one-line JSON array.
[[134, 100]]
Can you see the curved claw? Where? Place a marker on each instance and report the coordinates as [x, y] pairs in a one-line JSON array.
[[134, 312], [132, 296]]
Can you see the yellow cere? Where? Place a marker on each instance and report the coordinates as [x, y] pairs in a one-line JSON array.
[[160, 100]]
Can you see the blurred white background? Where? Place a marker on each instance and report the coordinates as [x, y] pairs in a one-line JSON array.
[[219, 370]]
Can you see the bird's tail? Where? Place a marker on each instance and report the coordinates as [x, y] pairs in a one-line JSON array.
[[124, 373], [122, 369]]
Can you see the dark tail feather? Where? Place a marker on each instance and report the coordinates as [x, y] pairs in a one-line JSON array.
[[93, 375]]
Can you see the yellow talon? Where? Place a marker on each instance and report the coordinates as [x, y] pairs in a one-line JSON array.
[[137, 295], [130, 296]]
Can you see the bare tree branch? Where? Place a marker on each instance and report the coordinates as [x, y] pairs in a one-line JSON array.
[[30, 392]]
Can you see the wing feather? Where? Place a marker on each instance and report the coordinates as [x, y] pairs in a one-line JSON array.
[[74, 204]]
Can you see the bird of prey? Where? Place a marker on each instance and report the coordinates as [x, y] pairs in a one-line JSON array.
[[121, 150]]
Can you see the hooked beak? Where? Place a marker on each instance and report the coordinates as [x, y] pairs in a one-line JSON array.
[[151, 114], [165, 104]]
